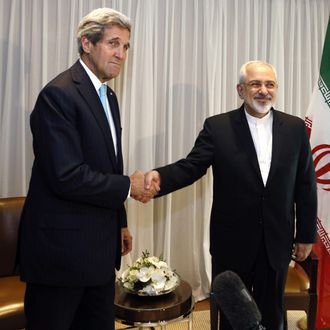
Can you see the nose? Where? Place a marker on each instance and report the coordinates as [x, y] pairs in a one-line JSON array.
[[121, 52], [263, 89]]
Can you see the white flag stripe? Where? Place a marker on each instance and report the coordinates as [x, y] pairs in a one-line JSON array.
[[318, 121]]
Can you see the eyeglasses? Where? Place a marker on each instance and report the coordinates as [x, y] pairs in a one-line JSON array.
[[257, 84]]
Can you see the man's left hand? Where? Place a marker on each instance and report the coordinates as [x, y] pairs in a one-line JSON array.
[[126, 241], [301, 251]]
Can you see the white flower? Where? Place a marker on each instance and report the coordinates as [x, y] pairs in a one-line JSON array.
[[149, 290], [144, 274], [149, 276], [170, 283]]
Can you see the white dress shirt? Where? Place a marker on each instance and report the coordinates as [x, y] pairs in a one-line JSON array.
[[97, 84], [262, 134]]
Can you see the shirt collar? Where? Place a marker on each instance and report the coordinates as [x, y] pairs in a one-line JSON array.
[[95, 81], [259, 121]]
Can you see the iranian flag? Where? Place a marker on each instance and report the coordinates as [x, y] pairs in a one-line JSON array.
[[318, 124]]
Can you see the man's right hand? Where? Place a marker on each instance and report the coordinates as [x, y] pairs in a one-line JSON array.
[[152, 179], [139, 191]]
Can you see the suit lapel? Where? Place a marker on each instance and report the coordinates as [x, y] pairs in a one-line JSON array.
[[89, 94], [245, 138], [116, 119], [244, 134], [277, 143]]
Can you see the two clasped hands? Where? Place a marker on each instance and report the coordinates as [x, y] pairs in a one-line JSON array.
[[144, 186]]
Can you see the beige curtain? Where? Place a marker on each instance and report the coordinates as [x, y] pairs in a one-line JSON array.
[[182, 67]]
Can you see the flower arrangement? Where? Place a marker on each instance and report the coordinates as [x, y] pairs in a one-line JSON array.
[[149, 276]]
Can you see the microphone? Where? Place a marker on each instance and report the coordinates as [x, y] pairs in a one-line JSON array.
[[236, 302]]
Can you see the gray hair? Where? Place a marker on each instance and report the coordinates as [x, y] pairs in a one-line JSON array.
[[242, 71], [93, 25]]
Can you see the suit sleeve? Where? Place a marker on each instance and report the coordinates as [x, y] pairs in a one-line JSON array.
[[305, 194], [62, 161], [186, 171]]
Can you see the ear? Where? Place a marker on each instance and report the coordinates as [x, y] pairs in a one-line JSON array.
[[240, 91], [86, 44]]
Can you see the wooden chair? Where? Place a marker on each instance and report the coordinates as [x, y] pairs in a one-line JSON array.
[[301, 289], [11, 288], [300, 293]]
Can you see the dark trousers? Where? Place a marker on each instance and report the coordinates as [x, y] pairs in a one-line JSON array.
[[69, 308], [267, 288]]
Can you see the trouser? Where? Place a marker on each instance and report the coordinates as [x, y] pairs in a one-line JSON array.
[[266, 286], [69, 308]]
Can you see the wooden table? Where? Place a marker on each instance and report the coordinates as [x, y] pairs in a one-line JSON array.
[[151, 311]]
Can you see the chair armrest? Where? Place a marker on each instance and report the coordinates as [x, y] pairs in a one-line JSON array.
[[310, 265]]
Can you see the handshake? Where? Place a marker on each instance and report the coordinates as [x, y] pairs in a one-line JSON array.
[[144, 186]]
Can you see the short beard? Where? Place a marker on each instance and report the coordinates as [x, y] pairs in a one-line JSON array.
[[261, 108]]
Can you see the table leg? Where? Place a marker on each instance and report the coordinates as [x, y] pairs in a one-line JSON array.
[[190, 324]]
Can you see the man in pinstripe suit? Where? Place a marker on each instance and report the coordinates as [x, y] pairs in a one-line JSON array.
[[73, 227]]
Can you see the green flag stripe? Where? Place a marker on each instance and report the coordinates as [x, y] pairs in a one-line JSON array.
[[325, 62], [323, 88]]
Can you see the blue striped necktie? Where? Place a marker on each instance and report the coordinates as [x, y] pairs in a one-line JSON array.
[[104, 101]]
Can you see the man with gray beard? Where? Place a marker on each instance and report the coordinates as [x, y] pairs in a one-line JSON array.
[[264, 190]]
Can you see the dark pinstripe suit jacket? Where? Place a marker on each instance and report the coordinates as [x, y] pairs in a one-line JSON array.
[[70, 226]]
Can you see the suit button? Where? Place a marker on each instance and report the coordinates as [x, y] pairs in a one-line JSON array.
[[260, 221]]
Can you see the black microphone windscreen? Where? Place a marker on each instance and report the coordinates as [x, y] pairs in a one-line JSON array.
[[235, 301]]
